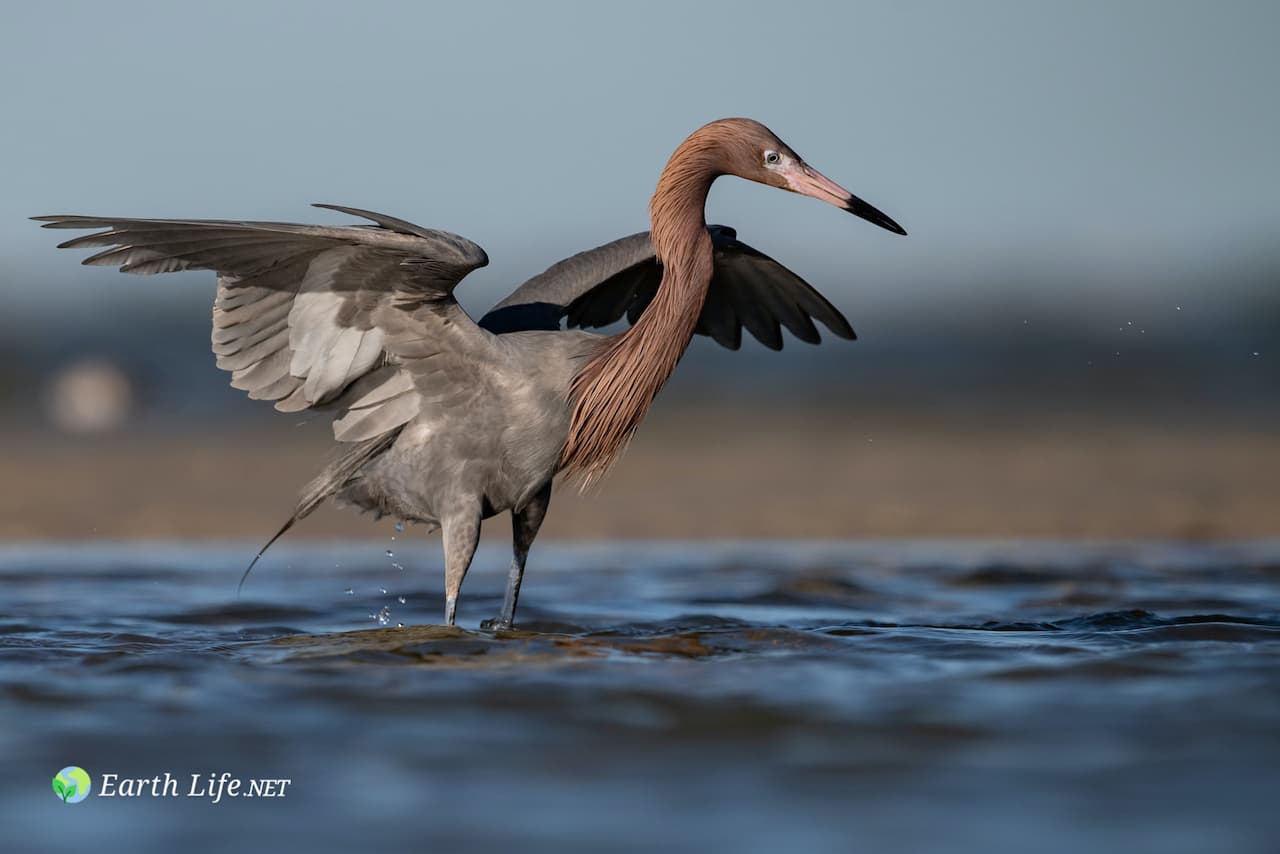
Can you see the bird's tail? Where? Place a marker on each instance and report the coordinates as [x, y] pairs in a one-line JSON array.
[[335, 476]]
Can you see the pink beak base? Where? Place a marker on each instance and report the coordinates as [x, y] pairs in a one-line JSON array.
[[810, 182]]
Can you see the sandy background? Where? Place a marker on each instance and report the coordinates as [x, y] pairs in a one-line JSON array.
[[709, 474]]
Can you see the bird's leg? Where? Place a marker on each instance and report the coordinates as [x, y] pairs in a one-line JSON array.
[[524, 527], [461, 532]]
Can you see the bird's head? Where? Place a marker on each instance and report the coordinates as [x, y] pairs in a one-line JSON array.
[[750, 150]]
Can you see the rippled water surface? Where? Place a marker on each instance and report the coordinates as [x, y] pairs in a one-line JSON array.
[[734, 697]]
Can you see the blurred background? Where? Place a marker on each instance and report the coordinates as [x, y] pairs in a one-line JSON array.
[[1079, 337]]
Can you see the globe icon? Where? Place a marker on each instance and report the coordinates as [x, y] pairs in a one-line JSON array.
[[72, 784]]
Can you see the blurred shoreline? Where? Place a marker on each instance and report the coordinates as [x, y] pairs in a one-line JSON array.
[[706, 473], [1065, 401]]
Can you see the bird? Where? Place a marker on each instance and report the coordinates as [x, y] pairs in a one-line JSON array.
[[444, 421]]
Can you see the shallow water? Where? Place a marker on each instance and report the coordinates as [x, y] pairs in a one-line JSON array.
[[745, 697]]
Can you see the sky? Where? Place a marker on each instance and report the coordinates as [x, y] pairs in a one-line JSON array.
[[1123, 139]]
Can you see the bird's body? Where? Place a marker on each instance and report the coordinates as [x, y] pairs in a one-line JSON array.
[[445, 421], [495, 453]]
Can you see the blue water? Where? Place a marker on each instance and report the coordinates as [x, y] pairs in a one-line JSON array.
[[728, 697]]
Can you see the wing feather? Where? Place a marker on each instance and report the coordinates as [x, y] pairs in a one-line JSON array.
[[270, 313], [241, 356], [302, 311], [601, 286]]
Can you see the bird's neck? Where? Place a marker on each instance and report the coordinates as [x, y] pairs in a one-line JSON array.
[[614, 390]]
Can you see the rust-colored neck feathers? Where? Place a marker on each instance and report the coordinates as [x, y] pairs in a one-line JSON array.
[[613, 391]]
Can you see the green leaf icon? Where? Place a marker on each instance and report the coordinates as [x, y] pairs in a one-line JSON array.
[[70, 792], [59, 789]]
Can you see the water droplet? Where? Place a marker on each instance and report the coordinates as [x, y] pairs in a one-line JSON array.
[[349, 592], [384, 590], [390, 553], [383, 617], [398, 566], [1256, 353], [399, 625], [400, 527], [1130, 323], [400, 599], [1178, 307]]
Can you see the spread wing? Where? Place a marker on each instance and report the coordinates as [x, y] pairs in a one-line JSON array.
[[353, 318], [602, 285]]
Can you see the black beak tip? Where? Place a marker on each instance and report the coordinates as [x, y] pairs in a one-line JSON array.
[[894, 227], [859, 208]]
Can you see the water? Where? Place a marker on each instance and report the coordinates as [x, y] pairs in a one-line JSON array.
[[798, 697]]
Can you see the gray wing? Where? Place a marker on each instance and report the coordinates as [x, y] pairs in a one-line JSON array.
[[602, 285], [315, 316]]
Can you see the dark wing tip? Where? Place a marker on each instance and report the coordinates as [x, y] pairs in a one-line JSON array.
[[340, 209], [68, 221], [839, 326], [840, 329], [470, 253], [390, 223]]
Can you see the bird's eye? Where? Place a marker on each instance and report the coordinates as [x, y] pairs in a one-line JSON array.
[[772, 158]]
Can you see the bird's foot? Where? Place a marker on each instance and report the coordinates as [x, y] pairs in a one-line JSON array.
[[497, 624]]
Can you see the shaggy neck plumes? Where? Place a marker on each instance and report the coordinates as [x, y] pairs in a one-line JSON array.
[[614, 390]]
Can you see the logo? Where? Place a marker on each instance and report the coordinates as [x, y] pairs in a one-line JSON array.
[[72, 784]]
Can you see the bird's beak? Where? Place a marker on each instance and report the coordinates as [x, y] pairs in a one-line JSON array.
[[806, 180]]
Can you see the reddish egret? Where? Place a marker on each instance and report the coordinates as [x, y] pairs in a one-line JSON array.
[[445, 421]]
